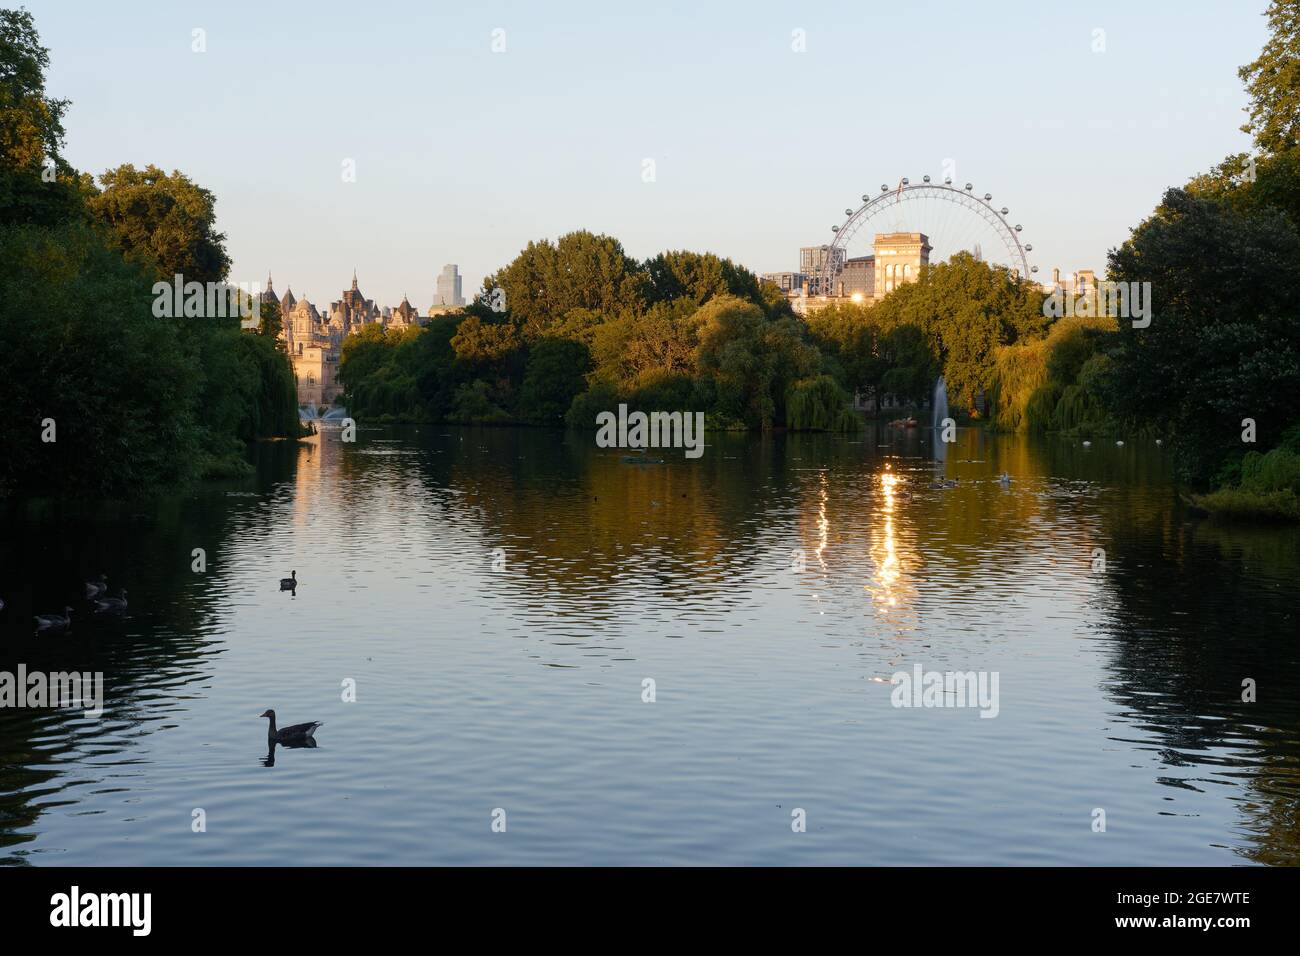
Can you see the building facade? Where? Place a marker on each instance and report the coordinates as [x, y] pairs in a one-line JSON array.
[[314, 341], [900, 256], [897, 257], [448, 287]]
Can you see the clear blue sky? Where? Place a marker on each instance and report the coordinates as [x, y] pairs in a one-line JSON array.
[[463, 155]]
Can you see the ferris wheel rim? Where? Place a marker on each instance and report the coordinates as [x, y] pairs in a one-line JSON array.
[[888, 197]]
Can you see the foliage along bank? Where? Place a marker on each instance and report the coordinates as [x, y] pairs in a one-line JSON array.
[[132, 401]]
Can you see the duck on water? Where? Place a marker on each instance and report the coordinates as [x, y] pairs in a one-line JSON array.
[[295, 735], [53, 623], [112, 605]]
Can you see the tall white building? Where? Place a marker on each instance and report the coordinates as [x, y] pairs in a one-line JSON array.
[[449, 287]]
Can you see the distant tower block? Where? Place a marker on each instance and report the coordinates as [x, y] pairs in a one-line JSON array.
[[448, 292], [899, 258]]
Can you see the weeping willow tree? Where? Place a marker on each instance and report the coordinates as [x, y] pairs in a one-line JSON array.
[[1019, 373], [1080, 407], [819, 404], [1054, 383]]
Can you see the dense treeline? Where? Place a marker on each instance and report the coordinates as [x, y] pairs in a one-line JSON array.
[[131, 400], [580, 327], [1217, 370], [573, 327], [1212, 367]]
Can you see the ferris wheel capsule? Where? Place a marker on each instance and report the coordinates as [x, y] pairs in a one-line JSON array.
[[866, 198], [1029, 247], [848, 211], [884, 188], [925, 179], [969, 187], [1033, 268], [1017, 227], [1004, 210], [905, 182], [835, 228], [947, 180], [988, 196]]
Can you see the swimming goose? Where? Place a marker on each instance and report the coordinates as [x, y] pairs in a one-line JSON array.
[[54, 622], [112, 605], [296, 734], [289, 583], [1004, 480], [97, 587]]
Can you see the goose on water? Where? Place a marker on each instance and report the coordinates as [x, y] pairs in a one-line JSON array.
[[295, 734], [54, 622], [1005, 479], [96, 588], [289, 583], [112, 605]]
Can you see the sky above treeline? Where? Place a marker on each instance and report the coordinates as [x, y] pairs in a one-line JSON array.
[[472, 128]]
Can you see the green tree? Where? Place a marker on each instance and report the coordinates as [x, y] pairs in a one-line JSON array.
[[745, 362], [1224, 341], [164, 220], [554, 374], [698, 277], [36, 184], [967, 309], [581, 271], [83, 351], [663, 339], [1273, 81], [269, 321]]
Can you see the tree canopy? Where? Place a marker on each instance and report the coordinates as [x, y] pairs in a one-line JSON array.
[[1273, 81], [165, 220]]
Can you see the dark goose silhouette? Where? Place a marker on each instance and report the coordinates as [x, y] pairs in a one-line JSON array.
[[112, 605], [46, 623], [289, 583], [96, 588], [295, 735]]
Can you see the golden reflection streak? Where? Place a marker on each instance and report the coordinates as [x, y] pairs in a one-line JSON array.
[[823, 523], [889, 587]]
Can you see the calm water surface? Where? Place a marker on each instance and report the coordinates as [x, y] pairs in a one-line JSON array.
[[520, 686]]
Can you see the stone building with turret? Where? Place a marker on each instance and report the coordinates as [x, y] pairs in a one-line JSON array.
[[314, 342]]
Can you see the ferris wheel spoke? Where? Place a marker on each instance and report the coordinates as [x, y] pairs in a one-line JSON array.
[[952, 218]]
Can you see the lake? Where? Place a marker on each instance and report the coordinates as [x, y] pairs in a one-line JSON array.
[[676, 663]]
